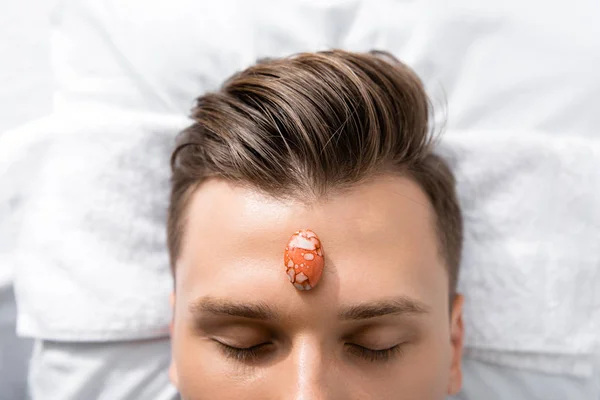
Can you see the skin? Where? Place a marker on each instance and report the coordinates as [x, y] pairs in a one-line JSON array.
[[384, 284]]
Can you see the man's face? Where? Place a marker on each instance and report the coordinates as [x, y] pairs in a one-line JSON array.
[[377, 326]]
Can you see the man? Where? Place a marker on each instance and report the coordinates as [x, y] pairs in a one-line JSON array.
[[325, 157]]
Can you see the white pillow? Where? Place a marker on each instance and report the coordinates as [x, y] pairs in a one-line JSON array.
[[502, 64], [158, 57]]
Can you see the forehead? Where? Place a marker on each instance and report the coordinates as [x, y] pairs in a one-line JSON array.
[[379, 239]]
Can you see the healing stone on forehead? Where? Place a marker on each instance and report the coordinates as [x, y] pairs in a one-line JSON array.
[[303, 259]]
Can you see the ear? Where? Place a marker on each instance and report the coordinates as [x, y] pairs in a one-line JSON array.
[[456, 341], [172, 368]]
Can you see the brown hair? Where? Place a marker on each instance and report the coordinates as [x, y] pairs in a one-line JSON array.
[[314, 123]]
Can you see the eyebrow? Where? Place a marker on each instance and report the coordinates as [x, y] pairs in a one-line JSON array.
[[397, 306], [262, 311], [258, 311]]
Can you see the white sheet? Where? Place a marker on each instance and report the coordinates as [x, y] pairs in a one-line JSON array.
[[493, 382]]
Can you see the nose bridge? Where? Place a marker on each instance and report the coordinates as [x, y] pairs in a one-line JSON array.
[[309, 364]]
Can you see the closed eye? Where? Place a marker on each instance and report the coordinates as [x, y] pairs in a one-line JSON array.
[[374, 355], [246, 354]]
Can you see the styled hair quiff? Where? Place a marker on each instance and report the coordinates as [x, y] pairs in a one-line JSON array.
[[310, 124]]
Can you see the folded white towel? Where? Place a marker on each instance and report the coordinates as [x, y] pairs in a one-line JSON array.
[[89, 256], [531, 267]]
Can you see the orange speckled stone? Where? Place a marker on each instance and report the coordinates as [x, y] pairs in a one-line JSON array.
[[303, 259]]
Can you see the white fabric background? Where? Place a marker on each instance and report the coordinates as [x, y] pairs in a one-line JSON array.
[[529, 68]]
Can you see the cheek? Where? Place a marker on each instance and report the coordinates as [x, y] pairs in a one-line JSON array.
[[205, 373], [428, 367], [421, 373], [199, 369]]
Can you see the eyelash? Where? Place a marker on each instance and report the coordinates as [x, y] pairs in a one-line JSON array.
[[244, 355], [251, 354], [382, 355]]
